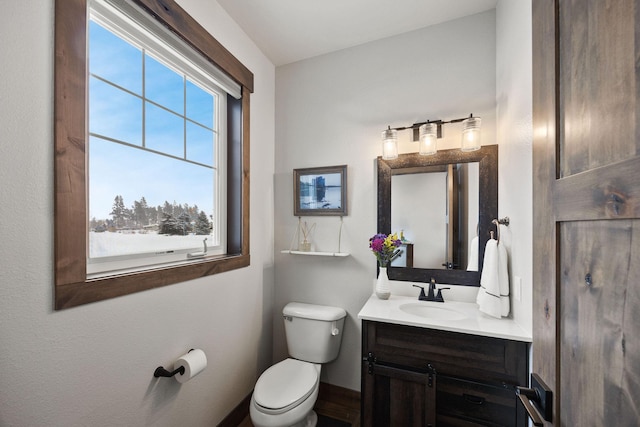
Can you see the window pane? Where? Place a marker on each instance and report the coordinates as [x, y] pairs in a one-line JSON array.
[[200, 144], [163, 85], [114, 59], [114, 113], [123, 180], [199, 105], [164, 131]]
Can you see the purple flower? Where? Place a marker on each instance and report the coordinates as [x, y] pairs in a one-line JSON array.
[[385, 248]]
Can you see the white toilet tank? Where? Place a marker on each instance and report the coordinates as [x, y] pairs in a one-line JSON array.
[[314, 332]]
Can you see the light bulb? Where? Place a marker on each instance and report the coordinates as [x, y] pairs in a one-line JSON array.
[[471, 134], [389, 144], [428, 139]]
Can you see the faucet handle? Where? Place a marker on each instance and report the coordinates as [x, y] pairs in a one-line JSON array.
[[439, 297], [422, 296]]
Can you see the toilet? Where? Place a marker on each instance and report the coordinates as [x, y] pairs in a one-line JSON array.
[[285, 393]]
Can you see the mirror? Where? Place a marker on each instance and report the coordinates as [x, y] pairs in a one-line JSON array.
[[441, 202], [439, 231]]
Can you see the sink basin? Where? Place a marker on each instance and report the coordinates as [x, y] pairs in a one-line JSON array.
[[429, 311]]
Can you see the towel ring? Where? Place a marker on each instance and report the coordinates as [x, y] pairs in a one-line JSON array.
[[498, 222]]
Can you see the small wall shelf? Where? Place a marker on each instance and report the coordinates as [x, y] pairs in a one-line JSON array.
[[331, 254], [313, 253]]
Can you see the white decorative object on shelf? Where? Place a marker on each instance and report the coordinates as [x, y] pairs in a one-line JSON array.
[[383, 291], [305, 244], [304, 247]]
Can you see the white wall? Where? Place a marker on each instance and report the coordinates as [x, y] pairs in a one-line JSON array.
[[93, 365], [515, 134], [330, 110]]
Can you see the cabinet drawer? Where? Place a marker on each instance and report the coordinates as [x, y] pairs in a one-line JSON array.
[[486, 359], [476, 403]]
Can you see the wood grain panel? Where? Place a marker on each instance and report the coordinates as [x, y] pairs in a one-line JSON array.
[[544, 174], [83, 292], [479, 376], [70, 138], [475, 401], [600, 345], [605, 192], [586, 142], [403, 398], [598, 91]]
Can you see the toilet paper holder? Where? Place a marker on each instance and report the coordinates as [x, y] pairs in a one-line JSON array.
[[162, 372]]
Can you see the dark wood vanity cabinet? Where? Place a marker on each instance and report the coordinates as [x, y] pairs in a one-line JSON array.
[[425, 377]]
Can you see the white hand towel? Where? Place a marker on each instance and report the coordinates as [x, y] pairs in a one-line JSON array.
[[472, 265], [489, 294], [503, 277]]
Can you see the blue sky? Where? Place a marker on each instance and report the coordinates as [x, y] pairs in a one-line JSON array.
[[174, 110]]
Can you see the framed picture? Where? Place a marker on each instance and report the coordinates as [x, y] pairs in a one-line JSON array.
[[320, 191]]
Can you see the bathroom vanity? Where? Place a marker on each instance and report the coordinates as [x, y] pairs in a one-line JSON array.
[[428, 364]]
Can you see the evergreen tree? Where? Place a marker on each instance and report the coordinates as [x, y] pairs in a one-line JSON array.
[[140, 212], [169, 225], [203, 226], [167, 208], [185, 223], [119, 212]]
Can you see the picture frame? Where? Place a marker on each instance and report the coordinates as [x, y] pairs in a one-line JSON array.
[[320, 191]]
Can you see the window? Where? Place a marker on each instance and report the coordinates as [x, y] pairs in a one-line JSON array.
[[156, 156], [166, 140]]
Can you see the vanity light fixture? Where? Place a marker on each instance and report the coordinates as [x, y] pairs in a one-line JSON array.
[[471, 134], [390, 144], [428, 142], [427, 133]]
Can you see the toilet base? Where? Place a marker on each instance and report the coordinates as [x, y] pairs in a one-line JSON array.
[[311, 420]]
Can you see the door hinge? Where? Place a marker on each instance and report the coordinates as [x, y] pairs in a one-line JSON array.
[[370, 358], [431, 371]]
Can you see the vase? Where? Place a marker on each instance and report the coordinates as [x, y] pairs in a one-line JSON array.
[[305, 246], [382, 284]]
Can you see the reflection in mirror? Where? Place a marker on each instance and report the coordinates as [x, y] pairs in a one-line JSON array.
[[443, 205], [441, 224]]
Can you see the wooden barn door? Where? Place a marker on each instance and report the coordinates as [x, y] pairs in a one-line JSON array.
[[586, 278], [586, 283]]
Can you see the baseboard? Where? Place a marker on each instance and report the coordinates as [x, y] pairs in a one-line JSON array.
[[238, 414], [339, 403], [333, 401]]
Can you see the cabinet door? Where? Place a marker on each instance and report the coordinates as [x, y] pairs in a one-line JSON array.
[[398, 397]]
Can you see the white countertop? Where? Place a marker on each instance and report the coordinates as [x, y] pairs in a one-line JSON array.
[[474, 322]]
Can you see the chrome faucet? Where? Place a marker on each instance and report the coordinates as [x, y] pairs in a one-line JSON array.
[[431, 295]]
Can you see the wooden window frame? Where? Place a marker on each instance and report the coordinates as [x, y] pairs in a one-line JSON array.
[[72, 288]]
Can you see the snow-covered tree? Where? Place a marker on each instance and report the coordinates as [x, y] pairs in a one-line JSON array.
[[203, 226]]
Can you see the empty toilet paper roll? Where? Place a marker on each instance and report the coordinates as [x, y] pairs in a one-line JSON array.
[[194, 362]]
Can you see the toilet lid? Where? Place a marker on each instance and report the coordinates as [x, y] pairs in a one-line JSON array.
[[285, 384]]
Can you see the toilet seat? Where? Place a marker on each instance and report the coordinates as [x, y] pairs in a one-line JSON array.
[[284, 385]]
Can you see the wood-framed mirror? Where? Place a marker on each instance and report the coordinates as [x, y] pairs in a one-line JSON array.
[[461, 204]]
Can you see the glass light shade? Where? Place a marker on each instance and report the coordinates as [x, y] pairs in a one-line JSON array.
[[428, 139], [389, 144], [471, 134]]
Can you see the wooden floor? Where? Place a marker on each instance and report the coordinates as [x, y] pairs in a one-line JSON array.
[[334, 402]]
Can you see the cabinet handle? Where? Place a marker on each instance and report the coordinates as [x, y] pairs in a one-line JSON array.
[[474, 400], [538, 397]]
